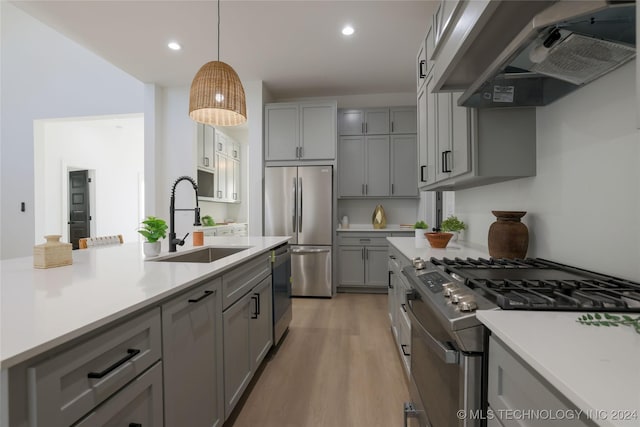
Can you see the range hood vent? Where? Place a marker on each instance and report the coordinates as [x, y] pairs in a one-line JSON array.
[[562, 48]]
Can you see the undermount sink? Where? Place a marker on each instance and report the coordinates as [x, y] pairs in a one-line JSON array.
[[204, 255]]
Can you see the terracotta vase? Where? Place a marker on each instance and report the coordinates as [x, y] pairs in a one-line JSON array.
[[508, 237]]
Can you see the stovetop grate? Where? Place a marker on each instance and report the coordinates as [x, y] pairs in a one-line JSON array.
[[538, 284]]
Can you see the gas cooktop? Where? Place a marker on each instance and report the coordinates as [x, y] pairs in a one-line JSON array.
[[539, 284]]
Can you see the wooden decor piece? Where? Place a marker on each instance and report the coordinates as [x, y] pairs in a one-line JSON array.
[[53, 253], [438, 240], [508, 237]]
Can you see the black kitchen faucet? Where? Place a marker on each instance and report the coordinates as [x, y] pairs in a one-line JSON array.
[[173, 241]]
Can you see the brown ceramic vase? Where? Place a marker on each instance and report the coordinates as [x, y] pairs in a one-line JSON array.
[[508, 237]]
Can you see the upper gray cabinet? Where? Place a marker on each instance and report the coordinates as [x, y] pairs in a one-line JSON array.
[[403, 166], [403, 120], [371, 121], [300, 131]]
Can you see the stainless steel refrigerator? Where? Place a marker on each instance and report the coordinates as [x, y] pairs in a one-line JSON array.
[[298, 203]]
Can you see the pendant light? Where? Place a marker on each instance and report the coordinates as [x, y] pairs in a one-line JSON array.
[[217, 96]]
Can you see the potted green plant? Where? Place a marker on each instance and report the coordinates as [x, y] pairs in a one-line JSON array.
[[453, 225], [153, 230], [420, 228]]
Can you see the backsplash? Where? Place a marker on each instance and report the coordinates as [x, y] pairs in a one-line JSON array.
[[583, 206], [397, 211]]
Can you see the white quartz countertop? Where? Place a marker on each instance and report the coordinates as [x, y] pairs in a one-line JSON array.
[[413, 247], [43, 308], [596, 368], [390, 228]]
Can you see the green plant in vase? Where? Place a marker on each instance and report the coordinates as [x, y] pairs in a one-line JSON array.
[[153, 230], [421, 228], [453, 225]]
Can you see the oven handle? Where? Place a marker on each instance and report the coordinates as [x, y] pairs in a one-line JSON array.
[[448, 356]]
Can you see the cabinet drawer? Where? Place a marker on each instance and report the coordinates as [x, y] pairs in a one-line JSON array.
[[138, 404], [67, 386], [239, 281], [363, 240]]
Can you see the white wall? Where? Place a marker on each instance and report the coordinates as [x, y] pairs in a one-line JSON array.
[[397, 211], [113, 150], [583, 205], [44, 75]]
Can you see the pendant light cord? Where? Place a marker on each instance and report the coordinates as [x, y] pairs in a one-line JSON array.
[[218, 30]]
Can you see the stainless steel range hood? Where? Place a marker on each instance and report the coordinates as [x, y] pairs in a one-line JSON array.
[[563, 47]]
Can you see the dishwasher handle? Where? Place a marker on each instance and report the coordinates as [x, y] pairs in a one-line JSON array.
[[309, 251]]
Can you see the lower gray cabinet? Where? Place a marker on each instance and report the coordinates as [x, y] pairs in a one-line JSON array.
[[261, 333], [138, 404], [248, 336], [362, 260], [192, 356]]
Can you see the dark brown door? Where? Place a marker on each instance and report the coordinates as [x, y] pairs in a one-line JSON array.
[[78, 206]]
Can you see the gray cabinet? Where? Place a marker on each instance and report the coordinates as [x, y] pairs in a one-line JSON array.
[[403, 166], [397, 305], [261, 333], [237, 353], [138, 404], [453, 139], [300, 131], [247, 325], [65, 387], [192, 357], [372, 121], [362, 260], [363, 169], [218, 166], [403, 120], [515, 386]]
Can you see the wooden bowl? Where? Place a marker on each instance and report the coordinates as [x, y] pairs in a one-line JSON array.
[[438, 240]]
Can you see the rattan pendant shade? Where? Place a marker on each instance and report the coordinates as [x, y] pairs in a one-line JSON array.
[[217, 96]]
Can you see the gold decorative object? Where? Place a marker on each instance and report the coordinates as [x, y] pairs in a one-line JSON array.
[[53, 253], [379, 218], [217, 97]]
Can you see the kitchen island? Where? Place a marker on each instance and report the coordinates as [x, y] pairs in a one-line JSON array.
[[74, 336]]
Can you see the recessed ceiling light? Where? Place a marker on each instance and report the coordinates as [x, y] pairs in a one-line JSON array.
[[348, 30], [174, 46]]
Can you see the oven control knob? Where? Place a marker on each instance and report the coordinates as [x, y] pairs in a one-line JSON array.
[[418, 263], [457, 295], [449, 288], [467, 303]]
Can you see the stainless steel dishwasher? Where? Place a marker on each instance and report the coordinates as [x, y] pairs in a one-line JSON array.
[[281, 276]]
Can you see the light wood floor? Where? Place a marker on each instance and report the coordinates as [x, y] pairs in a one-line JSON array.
[[337, 367]]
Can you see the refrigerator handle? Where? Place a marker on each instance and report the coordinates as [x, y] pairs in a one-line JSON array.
[[295, 205], [300, 209]]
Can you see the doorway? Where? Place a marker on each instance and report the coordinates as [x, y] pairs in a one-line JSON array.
[[79, 206]]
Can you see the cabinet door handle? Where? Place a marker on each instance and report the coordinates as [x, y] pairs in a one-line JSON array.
[[257, 295], [404, 307], [366, 189], [365, 240], [392, 189], [422, 168], [135, 425], [206, 161], [219, 146], [366, 253], [366, 127], [446, 157], [206, 294], [362, 127], [389, 279], [445, 163], [235, 153], [219, 194], [391, 127], [131, 353], [362, 253], [421, 72], [402, 346], [254, 315], [301, 152]]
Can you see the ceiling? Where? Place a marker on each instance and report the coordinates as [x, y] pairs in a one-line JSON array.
[[295, 47]]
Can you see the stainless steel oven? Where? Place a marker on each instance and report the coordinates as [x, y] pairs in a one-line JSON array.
[[447, 354], [448, 343]]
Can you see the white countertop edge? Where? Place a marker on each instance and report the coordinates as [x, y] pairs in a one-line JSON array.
[[218, 267], [495, 321]]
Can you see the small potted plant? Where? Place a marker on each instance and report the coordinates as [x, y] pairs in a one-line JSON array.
[[153, 230], [420, 228], [453, 225]]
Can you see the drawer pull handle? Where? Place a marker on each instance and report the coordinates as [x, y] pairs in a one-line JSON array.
[[135, 425], [131, 353], [404, 351], [206, 294]]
